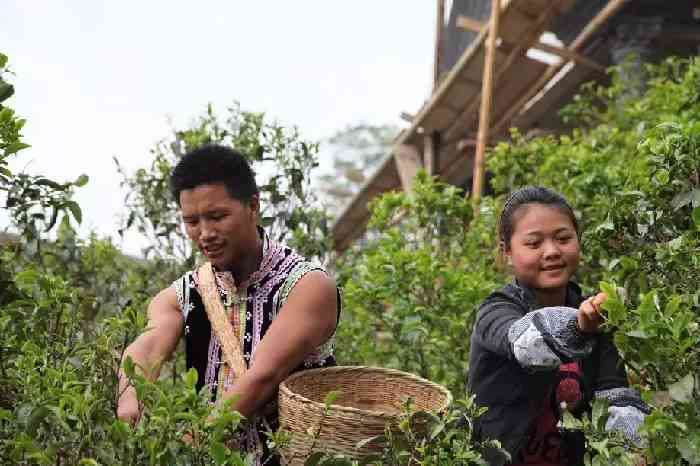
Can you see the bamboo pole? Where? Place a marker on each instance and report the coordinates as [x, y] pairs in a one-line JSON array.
[[439, 32], [610, 9], [515, 53], [485, 112], [471, 24]]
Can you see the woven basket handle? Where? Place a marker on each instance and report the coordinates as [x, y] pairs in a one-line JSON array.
[[230, 343]]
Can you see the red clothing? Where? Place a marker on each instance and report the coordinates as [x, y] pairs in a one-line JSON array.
[[543, 447]]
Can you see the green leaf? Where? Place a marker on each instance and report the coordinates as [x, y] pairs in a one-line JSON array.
[[218, 452], [600, 446], [38, 415], [662, 177], [82, 180], [191, 378], [437, 429], [88, 462], [689, 449], [696, 217], [75, 210], [6, 90], [637, 334], [14, 147], [129, 367], [330, 397], [52, 222], [682, 391], [50, 183], [568, 421], [607, 225], [599, 414], [130, 221], [615, 310], [314, 459]]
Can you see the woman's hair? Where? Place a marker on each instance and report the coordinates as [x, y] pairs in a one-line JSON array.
[[523, 197], [210, 164]]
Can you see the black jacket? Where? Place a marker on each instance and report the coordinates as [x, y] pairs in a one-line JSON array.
[[513, 393]]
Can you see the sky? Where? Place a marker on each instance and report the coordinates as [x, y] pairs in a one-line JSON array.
[[103, 79]]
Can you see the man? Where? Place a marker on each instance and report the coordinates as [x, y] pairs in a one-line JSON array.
[[283, 309]]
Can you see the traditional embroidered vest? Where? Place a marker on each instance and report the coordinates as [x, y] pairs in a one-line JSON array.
[[252, 308]]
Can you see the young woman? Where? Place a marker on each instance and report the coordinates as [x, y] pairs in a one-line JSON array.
[[536, 349]]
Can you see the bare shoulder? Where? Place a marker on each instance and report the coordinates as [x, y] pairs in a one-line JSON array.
[[313, 302], [164, 308], [316, 283]]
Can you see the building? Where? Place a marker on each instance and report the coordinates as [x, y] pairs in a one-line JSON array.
[[545, 49]]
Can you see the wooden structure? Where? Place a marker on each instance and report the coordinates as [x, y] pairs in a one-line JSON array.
[[469, 108]]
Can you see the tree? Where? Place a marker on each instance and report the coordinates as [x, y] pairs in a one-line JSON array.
[[282, 159], [68, 309], [34, 202], [357, 151]]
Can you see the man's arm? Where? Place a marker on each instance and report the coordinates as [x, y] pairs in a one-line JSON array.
[[306, 321], [151, 348]]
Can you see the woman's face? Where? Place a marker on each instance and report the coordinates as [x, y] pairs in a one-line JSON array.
[[544, 248]]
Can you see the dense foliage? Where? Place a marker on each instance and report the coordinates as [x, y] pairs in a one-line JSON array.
[[356, 150], [632, 172], [70, 305], [411, 289], [415, 284]]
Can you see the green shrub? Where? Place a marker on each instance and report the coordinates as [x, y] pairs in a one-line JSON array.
[[411, 291], [632, 172]]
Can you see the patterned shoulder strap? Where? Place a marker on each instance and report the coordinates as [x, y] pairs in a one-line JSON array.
[[230, 344]]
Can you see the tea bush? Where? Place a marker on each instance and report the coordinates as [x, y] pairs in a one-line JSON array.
[[632, 172], [411, 289], [408, 291]]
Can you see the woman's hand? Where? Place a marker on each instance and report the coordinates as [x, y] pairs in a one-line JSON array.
[[589, 317]]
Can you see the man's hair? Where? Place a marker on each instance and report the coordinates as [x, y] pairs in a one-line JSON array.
[[211, 164], [523, 197]]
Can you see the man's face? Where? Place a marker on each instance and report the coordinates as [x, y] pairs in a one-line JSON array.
[[223, 228]]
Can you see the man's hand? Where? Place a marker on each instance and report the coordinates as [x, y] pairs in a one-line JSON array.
[[589, 317], [128, 409], [150, 349]]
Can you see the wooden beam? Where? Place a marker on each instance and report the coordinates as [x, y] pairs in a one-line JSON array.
[[514, 55], [439, 34], [485, 111], [470, 24], [405, 116], [431, 153], [463, 144], [686, 35], [408, 162], [568, 54], [610, 9]]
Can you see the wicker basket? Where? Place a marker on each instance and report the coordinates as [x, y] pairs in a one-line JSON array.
[[369, 398]]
